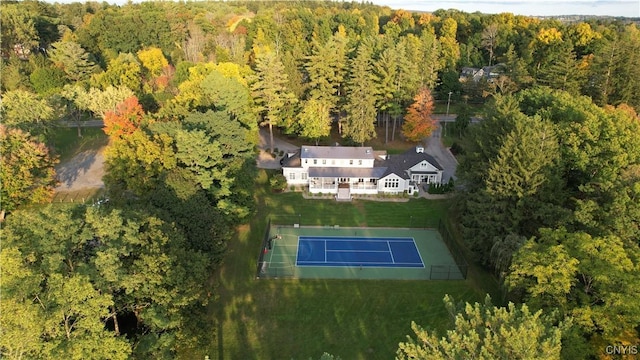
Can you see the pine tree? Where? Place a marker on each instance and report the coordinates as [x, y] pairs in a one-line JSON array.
[[361, 99], [270, 91]]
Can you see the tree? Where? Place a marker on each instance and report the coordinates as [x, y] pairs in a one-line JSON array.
[[512, 167], [488, 332], [326, 68], [27, 111], [489, 40], [153, 60], [429, 66], [99, 102], [46, 282], [136, 163], [314, 120], [581, 276], [361, 98], [78, 270], [418, 123], [124, 120], [565, 73], [449, 45], [26, 170], [19, 34], [270, 92], [47, 80], [73, 97], [615, 71], [230, 93], [386, 70], [72, 59], [124, 70]]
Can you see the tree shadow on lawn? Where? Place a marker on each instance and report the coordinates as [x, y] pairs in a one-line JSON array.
[[77, 167]]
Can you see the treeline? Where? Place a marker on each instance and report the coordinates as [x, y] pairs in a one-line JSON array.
[[552, 204], [182, 89]]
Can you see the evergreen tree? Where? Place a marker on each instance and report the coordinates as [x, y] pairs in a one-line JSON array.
[[270, 92], [72, 59], [359, 124]]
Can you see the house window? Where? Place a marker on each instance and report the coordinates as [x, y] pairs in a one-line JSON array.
[[423, 164], [303, 176], [359, 162], [391, 183], [343, 180], [324, 161], [350, 162], [373, 181], [306, 161], [361, 180], [315, 161], [292, 176]]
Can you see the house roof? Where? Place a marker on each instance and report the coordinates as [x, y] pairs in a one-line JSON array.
[[347, 172], [336, 152], [399, 164], [292, 161]]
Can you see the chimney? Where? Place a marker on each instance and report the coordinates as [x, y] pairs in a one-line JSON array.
[[419, 149]]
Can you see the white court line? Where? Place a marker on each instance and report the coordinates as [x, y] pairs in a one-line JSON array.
[[391, 253], [357, 251], [325, 251]]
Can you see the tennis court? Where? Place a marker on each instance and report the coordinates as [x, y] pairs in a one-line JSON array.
[[357, 251], [332, 252]]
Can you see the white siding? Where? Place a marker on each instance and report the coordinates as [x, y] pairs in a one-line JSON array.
[[354, 163], [295, 176], [392, 183]]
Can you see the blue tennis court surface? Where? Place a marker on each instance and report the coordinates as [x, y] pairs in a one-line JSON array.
[[357, 251]]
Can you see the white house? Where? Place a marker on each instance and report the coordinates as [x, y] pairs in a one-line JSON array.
[[344, 170]]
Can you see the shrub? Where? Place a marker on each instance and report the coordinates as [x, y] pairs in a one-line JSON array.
[[278, 182], [441, 188]]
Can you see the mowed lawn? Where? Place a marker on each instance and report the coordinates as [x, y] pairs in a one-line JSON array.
[[302, 319]]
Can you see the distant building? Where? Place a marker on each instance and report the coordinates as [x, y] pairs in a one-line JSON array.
[[344, 170], [474, 74]]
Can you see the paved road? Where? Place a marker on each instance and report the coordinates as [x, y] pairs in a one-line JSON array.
[[88, 123], [452, 118]]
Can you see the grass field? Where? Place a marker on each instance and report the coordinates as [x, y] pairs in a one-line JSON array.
[[301, 319], [67, 144]]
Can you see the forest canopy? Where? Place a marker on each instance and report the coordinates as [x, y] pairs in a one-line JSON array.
[[550, 178]]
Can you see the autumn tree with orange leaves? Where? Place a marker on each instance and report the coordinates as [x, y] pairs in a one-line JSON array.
[[418, 123], [125, 119]]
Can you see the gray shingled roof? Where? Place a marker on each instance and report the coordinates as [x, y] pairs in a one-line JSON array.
[[336, 152], [399, 164], [293, 161]]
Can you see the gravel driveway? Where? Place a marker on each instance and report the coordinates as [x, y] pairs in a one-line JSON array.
[[83, 171], [265, 160]]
